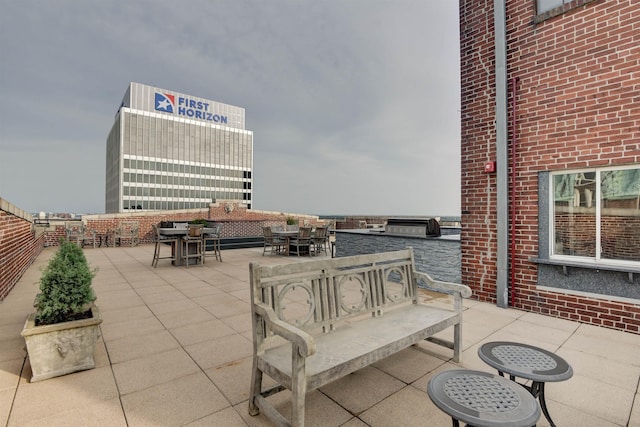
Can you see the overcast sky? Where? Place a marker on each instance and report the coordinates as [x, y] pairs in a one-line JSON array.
[[353, 104]]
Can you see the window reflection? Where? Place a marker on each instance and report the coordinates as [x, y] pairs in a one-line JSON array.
[[620, 217], [574, 214], [580, 199]]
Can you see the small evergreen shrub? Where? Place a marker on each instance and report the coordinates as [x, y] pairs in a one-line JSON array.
[[65, 287], [291, 221]]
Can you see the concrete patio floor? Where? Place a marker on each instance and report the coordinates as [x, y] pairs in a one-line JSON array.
[[176, 350]]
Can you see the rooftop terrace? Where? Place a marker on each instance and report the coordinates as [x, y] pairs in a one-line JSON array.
[[176, 350]]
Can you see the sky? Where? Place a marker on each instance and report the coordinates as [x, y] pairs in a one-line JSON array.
[[354, 104]]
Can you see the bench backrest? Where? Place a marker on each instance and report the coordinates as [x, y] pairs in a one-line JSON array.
[[322, 293]]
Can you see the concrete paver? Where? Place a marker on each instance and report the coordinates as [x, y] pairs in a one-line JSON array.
[[176, 350]]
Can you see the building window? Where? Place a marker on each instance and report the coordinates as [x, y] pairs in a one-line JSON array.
[[596, 215], [546, 9], [546, 5]]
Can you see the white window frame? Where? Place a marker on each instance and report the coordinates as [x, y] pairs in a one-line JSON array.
[[597, 260]]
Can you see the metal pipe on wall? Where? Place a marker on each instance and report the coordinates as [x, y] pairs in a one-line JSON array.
[[502, 147], [512, 198]]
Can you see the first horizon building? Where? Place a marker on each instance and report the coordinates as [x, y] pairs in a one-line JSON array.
[[167, 150]]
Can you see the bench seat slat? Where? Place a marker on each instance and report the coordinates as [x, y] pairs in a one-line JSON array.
[[359, 344]]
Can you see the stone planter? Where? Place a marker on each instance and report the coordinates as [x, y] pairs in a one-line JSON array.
[[61, 348]]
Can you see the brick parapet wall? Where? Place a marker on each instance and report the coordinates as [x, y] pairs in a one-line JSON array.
[[577, 107], [21, 240], [236, 219], [54, 233], [19, 245]]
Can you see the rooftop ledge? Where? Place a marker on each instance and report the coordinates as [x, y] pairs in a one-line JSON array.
[[566, 264]]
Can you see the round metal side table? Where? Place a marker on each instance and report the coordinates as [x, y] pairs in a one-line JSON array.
[[481, 399], [527, 362]]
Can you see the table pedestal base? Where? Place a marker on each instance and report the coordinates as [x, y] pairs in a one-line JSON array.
[[529, 363]]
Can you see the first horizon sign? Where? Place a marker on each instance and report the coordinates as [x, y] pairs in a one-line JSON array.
[[166, 102]]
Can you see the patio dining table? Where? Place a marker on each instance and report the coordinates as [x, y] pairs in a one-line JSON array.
[[286, 236], [176, 249]]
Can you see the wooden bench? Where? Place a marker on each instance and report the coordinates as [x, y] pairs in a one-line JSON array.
[[317, 321]]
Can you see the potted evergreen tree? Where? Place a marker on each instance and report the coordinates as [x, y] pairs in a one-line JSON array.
[[61, 335]]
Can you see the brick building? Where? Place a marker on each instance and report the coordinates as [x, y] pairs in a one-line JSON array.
[[551, 94]]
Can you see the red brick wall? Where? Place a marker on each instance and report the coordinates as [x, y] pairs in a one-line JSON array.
[[20, 244], [578, 105], [18, 248], [237, 220], [53, 234]]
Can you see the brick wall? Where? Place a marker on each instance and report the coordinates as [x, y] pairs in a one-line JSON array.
[[577, 106], [19, 245], [54, 233], [236, 219], [21, 241]]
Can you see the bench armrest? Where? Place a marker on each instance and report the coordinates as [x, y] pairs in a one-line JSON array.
[[443, 287], [305, 342]]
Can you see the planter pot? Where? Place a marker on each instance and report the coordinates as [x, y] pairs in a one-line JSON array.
[[61, 348]]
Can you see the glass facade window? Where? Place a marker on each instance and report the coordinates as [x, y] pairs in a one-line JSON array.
[[596, 215]]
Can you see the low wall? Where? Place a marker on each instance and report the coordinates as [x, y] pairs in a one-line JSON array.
[[438, 257], [22, 238], [236, 219], [20, 244]]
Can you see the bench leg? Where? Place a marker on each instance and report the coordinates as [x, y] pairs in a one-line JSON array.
[[457, 343], [256, 387], [299, 389], [457, 329]]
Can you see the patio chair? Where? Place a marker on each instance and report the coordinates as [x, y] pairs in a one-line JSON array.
[[89, 235], [192, 244], [301, 244], [270, 241], [74, 231], [126, 230], [78, 233], [160, 240], [320, 240], [212, 240]]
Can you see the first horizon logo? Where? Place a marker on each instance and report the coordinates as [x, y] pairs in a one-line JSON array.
[[186, 107], [165, 102]]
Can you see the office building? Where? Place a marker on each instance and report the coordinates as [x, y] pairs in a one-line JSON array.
[[167, 150]]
